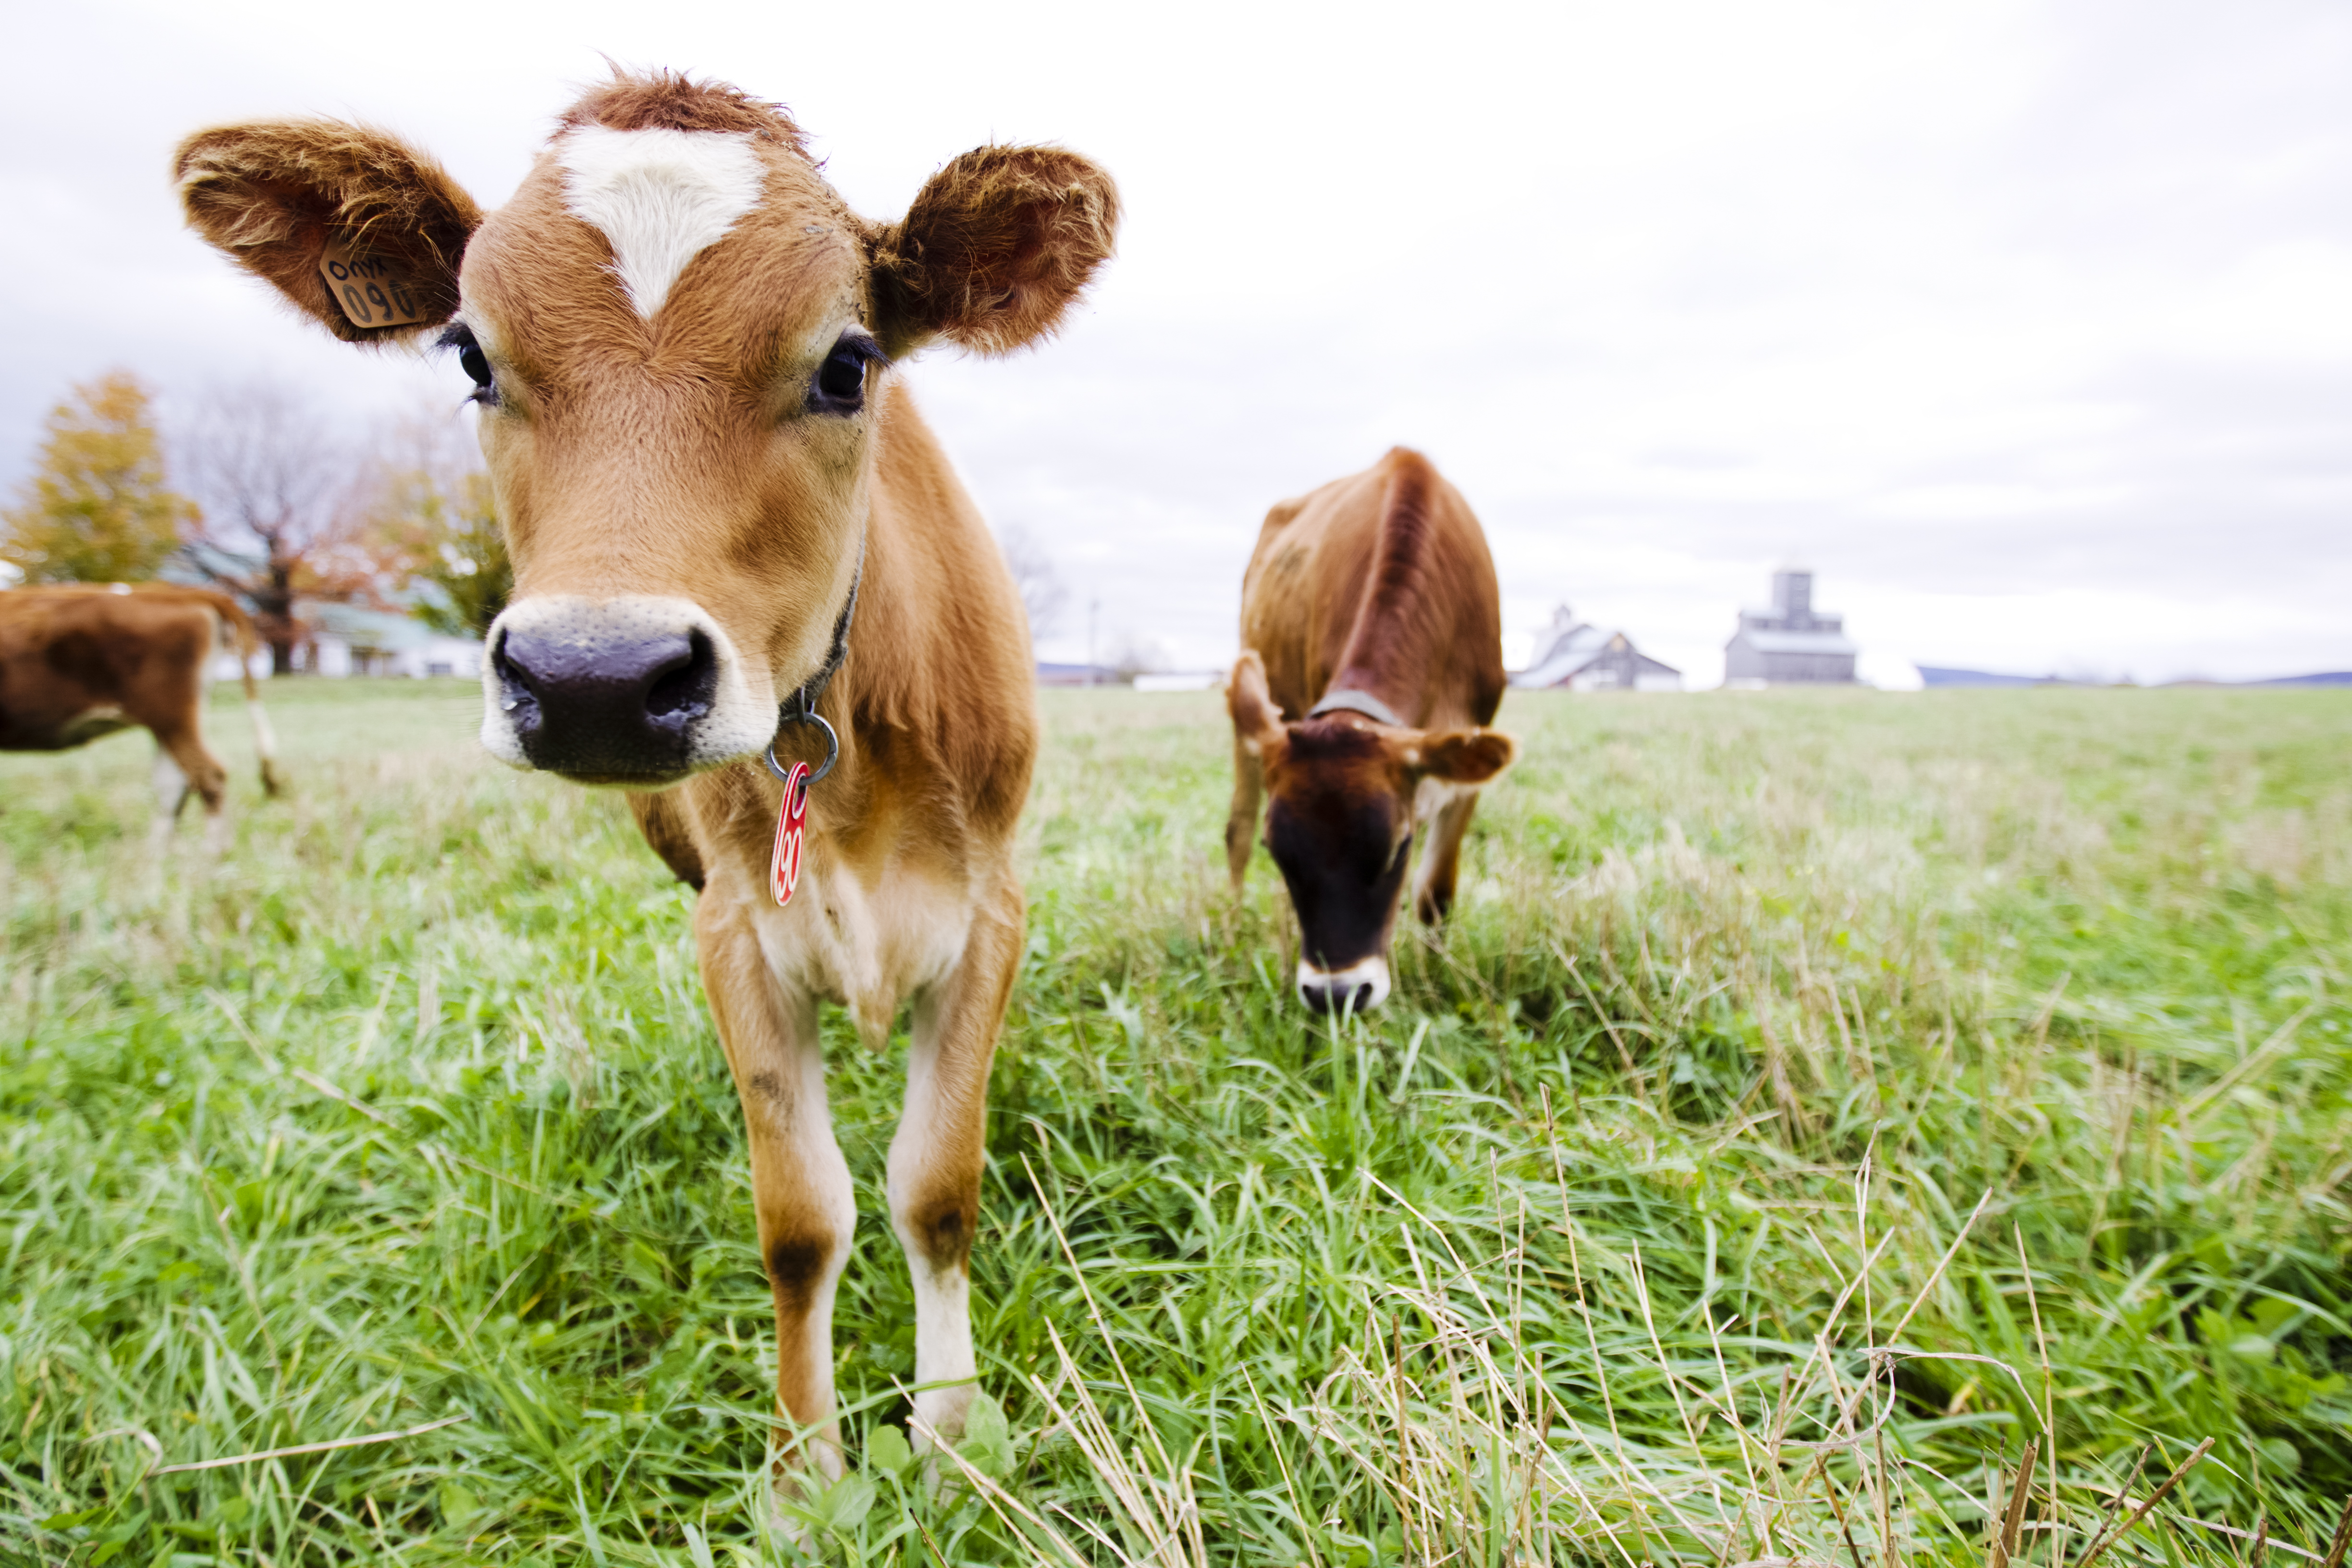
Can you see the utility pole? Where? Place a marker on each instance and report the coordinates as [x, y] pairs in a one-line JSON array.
[[1094, 606]]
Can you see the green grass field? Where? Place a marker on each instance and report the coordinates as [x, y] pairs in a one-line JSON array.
[[1817, 1098]]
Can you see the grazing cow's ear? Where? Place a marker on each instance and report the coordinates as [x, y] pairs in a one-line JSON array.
[[1464, 756], [359, 230], [994, 250], [1257, 721]]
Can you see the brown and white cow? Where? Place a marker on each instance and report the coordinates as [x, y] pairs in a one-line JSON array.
[[82, 661], [1372, 660], [717, 494]]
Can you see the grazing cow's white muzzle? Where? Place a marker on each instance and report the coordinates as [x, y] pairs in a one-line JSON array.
[[1359, 988], [633, 690]]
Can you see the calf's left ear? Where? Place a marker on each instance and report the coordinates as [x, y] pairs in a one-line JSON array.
[[996, 247], [357, 230], [1257, 722], [1464, 756]]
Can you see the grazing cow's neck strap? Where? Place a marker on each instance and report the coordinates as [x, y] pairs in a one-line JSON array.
[[800, 708], [1348, 700]]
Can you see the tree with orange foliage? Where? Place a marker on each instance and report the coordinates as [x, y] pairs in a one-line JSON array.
[[98, 507]]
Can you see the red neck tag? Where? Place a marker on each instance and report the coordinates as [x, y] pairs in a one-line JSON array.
[[792, 824]]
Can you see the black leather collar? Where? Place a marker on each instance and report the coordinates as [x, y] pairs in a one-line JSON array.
[[800, 708]]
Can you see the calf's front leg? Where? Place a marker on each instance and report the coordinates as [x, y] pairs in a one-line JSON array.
[[801, 1190], [184, 750], [940, 1152], [171, 796]]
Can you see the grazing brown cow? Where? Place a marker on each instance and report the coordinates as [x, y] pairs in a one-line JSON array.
[[727, 518], [1371, 660], [79, 662]]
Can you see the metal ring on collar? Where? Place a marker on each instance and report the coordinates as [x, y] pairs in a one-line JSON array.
[[832, 749]]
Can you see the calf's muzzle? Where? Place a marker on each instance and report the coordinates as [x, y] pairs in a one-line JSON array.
[[1357, 988], [618, 707], [631, 690]]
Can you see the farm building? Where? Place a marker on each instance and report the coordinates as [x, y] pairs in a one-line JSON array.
[[346, 639], [1790, 644], [1078, 675], [1585, 657], [335, 639]]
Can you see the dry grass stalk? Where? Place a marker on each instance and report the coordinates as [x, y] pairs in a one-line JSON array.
[[300, 1448], [2337, 1547], [2195, 1458], [2004, 1546]]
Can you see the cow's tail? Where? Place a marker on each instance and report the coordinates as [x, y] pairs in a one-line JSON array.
[[248, 643]]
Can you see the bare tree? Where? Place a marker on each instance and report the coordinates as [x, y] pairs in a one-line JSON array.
[[1043, 592], [1139, 655], [274, 484]]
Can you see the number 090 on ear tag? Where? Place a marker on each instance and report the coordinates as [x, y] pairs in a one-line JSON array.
[[791, 826], [371, 292]]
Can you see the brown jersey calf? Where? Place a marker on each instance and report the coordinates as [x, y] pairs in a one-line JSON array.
[[724, 511], [79, 662], [1372, 660]]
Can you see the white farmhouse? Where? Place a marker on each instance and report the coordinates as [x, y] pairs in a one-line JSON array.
[[345, 639], [1585, 657]]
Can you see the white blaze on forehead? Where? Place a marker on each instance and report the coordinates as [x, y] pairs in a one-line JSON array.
[[659, 197]]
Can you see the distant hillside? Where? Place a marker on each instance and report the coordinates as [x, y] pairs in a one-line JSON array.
[[1935, 676]]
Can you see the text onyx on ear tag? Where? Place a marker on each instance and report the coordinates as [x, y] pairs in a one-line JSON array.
[[370, 290]]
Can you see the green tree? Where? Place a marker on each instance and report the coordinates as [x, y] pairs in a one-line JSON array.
[[98, 507], [465, 556], [427, 520]]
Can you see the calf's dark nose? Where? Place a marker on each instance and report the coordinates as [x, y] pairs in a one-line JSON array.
[[1359, 987], [1337, 994], [611, 708]]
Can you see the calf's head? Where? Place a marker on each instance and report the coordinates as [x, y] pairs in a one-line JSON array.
[[681, 340], [1343, 795]]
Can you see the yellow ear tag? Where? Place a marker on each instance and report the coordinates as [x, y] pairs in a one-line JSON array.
[[371, 293]]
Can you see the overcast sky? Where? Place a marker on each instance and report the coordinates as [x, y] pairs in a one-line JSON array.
[[2027, 327]]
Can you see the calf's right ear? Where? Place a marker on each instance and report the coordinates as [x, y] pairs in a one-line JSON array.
[[1258, 722], [357, 230]]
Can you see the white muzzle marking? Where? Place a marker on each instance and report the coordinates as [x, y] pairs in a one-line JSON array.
[[1344, 988], [741, 720]]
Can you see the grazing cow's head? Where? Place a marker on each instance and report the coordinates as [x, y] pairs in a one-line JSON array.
[[681, 340], [1343, 792]]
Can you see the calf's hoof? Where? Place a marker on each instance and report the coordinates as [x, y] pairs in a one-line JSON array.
[[940, 1415], [793, 1483]]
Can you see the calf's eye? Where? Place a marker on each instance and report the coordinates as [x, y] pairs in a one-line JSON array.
[[472, 360], [843, 379], [839, 385]]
